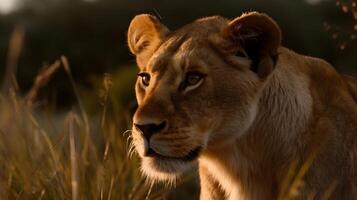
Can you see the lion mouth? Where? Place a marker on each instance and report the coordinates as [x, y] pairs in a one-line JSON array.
[[192, 155]]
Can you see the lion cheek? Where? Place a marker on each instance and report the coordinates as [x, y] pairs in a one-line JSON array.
[[140, 144]]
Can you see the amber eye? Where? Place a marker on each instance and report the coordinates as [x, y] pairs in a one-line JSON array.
[[145, 79], [192, 80]]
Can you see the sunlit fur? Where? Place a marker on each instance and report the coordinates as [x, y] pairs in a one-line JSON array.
[[251, 124]]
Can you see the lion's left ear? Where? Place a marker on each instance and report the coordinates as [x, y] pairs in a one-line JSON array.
[[260, 37]]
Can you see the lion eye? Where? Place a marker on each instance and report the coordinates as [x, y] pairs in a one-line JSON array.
[[145, 79], [192, 80]]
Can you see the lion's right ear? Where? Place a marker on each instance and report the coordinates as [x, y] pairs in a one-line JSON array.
[[145, 34]]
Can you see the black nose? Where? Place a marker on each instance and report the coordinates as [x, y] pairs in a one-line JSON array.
[[150, 129]]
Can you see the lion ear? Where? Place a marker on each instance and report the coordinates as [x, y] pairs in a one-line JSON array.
[[260, 37], [145, 34]]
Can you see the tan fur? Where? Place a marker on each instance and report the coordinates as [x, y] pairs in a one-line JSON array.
[[259, 120]]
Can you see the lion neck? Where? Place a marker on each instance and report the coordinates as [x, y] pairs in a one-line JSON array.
[[284, 108]]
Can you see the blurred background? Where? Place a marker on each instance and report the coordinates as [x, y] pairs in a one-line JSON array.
[[67, 82], [92, 33]]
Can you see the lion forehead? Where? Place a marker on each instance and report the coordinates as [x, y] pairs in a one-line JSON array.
[[186, 53]]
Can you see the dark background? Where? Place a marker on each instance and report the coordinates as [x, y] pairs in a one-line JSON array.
[[92, 34]]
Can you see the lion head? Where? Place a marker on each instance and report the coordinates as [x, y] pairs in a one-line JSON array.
[[198, 86]]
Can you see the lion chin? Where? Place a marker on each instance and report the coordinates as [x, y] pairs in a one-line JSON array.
[[164, 169]]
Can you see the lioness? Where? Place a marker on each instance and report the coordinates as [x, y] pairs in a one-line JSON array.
[[263, 121]]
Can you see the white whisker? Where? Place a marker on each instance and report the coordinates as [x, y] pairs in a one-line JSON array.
[[127, 131]]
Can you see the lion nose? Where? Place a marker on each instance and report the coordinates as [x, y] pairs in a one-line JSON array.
[[150, 129]]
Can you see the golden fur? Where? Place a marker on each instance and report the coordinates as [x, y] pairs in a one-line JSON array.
[[258, 115]]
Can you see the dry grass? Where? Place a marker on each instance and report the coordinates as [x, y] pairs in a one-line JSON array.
[[41, 161], [53, 155]]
